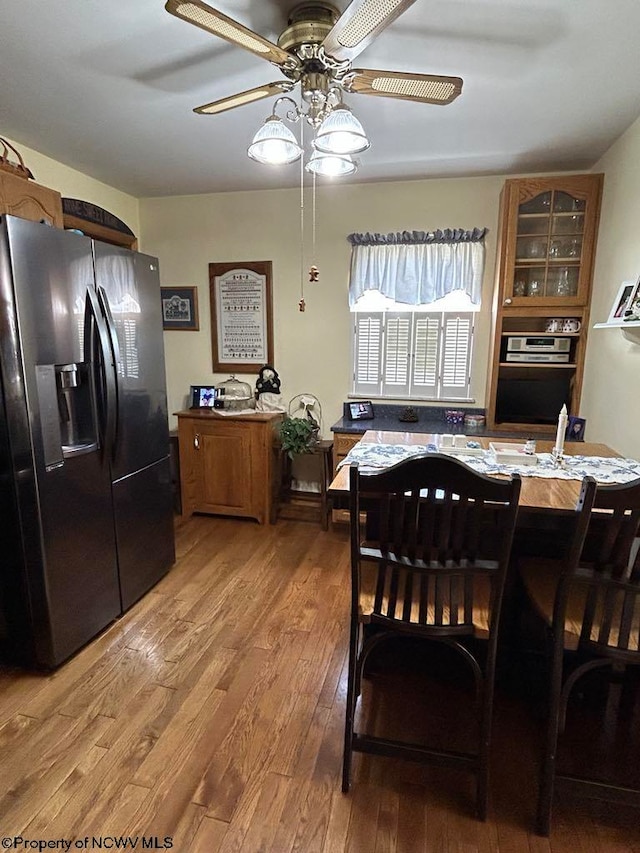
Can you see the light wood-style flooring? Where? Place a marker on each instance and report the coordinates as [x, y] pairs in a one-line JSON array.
[[212, 713]]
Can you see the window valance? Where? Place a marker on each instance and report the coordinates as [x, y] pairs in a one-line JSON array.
[[417, 267], [448, 235]]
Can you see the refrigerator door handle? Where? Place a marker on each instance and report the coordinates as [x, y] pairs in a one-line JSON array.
[[108, 316], [105, 384], [114, 350]]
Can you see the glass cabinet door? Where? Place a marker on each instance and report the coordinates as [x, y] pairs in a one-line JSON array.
[[549, 238]]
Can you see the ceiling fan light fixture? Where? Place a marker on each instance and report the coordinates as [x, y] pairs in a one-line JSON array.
[[331, 165], [274, 144], [341, 133]]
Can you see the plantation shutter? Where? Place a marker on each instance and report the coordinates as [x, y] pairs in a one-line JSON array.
[[413, 355], [367, 360], [456, 355], [397, 352], [426, 355]]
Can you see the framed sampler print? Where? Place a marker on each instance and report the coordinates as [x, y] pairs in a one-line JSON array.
[[241, 316], [180, 308]]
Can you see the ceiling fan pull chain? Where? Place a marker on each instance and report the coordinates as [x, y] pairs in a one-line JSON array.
[[313, 269], [302, 304]]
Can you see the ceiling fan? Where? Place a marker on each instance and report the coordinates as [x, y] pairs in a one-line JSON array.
[[316, 50]]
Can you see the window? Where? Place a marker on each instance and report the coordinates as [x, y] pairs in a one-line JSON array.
[[413, 354], [413, 296]]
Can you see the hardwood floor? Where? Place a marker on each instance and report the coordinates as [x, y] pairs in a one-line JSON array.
[[212, 714]]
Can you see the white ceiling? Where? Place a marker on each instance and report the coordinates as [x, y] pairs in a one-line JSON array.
[[108, 87]]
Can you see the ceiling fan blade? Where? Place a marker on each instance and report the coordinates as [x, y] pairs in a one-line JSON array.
[[425, 88], [203, 16], [246, 97], [360, 23]]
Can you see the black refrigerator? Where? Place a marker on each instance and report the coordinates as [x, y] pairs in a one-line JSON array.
[[86, 514]]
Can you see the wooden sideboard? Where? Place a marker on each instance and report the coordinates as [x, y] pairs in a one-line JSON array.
[[229, 464]]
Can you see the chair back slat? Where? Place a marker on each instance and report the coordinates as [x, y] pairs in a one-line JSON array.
[[608, 599], [444, 528], [634, 563], [440, 598], [423, 598], [468, 598], [455, 582], [626, 620], [463, 514], [381, 587], [410, 533], [393, 593]]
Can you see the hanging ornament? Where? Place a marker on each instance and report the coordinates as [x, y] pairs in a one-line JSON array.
[[302, 304], [313, 273]]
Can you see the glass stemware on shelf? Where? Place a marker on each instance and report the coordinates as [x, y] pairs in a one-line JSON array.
[[549, 245]]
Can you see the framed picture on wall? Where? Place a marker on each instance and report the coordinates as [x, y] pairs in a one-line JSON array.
[[180, 308], [241, 316]]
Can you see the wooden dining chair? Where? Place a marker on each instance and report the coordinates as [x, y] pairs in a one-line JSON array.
[[589, 600], [431, 564]]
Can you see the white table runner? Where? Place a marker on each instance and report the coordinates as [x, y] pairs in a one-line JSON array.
[[604, 469]]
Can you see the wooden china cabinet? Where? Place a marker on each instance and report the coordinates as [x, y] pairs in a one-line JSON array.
[[546, 250]]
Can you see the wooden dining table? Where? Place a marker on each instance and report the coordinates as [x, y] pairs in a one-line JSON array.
[[538, 495]]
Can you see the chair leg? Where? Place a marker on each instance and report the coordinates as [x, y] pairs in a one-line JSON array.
[[350, 712], [548, 769], [628, 694], [482, 788]]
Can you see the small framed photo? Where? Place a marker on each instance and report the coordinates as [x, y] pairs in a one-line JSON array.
[[575, 428], [361, 410], [632, 308], [180, 308], [622, 300]]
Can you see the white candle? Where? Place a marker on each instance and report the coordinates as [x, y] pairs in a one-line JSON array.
[[562, 427]]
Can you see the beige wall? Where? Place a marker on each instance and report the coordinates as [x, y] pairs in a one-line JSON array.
[[73, 184], [611, 394], [311, 348]]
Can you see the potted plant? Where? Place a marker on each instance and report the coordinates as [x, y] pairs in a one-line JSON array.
[[297, 436]]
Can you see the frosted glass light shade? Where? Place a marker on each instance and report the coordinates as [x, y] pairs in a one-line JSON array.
[[341, 133], [331, 165], [274, 144]]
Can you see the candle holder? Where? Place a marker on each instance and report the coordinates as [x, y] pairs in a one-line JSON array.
[[557, 458]]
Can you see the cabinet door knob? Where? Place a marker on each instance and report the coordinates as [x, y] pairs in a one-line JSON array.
[[507, 301], [196, 441]]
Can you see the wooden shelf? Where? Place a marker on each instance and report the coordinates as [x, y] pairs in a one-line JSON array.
[[294, 503], [630, 329], [547, 365], [532, 333]]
